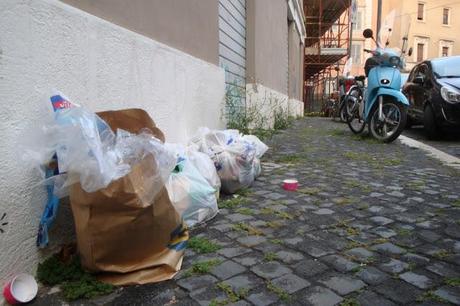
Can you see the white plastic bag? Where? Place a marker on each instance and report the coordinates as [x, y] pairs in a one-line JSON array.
[[206, 167], [235, 156], [191, 194]]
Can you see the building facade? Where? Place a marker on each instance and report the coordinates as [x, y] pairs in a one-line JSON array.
[[431, 27], [176, 59]]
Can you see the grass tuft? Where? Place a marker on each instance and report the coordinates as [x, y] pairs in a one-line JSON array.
[[202, 245]]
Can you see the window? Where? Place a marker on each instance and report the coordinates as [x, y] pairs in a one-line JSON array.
[[445, 51], [445, 16], [445, 48], [356, 54], [421, 11], [420, 52], [358, 22]]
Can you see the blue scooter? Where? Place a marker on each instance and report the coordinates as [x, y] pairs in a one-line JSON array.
[[381, 105]]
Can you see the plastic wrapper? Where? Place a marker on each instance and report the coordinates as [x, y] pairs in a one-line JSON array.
[[235, 157], [90, 153], [190, 193]]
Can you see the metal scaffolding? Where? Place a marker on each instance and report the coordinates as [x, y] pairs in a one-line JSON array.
[[328, 25]]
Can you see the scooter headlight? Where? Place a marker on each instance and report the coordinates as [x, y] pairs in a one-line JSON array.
[[395, 61]]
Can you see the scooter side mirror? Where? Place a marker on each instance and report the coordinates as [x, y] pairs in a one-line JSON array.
[[411, 50], [368, 33]]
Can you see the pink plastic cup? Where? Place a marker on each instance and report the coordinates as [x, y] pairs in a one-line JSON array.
[[290, 185], [21, 289]]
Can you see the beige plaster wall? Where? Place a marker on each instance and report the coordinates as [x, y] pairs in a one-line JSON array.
[[190, 26]]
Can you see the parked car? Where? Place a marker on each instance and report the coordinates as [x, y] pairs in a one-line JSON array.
[[433, 89]]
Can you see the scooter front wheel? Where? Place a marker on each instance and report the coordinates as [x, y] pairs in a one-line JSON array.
[[391, 124]]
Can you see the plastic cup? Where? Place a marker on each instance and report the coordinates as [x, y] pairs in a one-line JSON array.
[[21, 289], [290, 185]]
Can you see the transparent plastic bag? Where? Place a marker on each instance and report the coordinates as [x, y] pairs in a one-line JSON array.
[[90, 153], [261, 148], [233, 156], [191, 194]]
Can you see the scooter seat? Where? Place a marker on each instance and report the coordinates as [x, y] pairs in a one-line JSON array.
[[360, 78]]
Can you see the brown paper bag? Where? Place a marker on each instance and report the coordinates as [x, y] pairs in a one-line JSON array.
[[132, 242]]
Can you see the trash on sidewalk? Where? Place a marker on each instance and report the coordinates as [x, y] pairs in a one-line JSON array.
[[114, 166], [290, 185], [236, 157], [21, 289], [190, 193], [130, 230]]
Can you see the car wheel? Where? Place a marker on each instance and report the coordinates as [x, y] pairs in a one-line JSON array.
[[429, 123]]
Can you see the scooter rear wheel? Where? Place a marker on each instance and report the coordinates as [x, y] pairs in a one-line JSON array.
[[393, 123]]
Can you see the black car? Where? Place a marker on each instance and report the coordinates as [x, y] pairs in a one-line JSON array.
[[433, 90]]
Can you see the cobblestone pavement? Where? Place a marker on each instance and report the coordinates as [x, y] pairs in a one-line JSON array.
[[449, 142], [371, 224]]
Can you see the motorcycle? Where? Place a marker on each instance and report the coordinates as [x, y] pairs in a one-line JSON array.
[[381, 105]]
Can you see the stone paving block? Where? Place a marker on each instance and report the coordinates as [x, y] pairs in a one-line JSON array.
[[232, 252], [415, 259], [340, 263], [360, 253], [343, 285], [240, 303], [275, 195], [196, 282], [293, 241], [453, 230], [248, 260], [384, 232], [227, 269], [418, 280], [388, 248], [372, 276], [444, 269], [398, 291], [263, 298], [308, 268], [204, 296], [239, 217], [290, 283], [314, 249], [243, 281], [449, 294], [394, 266], [320, 296], [369, 298], [324, 211], [380, 220], [250, 241], [270, 270], [428, 236], [289, 257], [428, 225]]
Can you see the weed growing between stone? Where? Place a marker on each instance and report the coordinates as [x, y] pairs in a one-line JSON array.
[[75, 282], [283, 295], [250, 230], [202, 245], [202, 267], [270, 256]]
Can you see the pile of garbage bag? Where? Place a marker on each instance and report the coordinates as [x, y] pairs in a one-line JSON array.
[[235, 156], [133, 196]]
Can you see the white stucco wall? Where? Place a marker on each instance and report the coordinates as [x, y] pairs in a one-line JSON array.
[[263, 102], [46, 44]]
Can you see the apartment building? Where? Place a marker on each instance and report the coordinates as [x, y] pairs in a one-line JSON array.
[[176, 59], [433, 28]]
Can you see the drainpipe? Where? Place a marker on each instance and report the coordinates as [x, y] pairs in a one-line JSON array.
[[379, 18]]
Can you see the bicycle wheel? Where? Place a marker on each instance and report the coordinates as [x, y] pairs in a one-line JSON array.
[[354, 118]]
